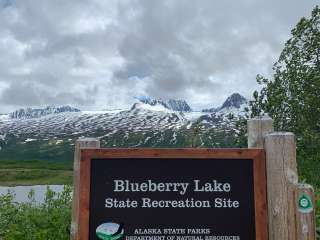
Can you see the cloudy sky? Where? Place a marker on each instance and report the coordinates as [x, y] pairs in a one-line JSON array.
[[99, 54]]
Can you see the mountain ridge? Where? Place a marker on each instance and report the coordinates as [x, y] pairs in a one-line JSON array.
[[145, 118], [235, 100], [178, 105], [40, 112], [52, 134]]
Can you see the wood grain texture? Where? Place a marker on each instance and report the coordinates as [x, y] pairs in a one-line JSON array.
[[305, 221], [225, 153], [282, 178], [82, 143], [256, 155], [258, 128], [260, 192]]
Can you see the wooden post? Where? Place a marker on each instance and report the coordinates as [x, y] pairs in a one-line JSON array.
[[305, 212], [286, 219], [282, 179], [257, 129], [81, 143]]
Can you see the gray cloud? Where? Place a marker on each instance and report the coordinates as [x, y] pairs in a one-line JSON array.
[[99, 54], [204, 49]]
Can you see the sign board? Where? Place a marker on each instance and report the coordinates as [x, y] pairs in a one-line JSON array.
[[172, 194]]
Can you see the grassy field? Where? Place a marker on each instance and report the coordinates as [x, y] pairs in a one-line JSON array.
[[13, 173], [37, 162], [15, 177]]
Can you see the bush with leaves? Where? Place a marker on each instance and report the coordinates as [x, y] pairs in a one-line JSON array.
[[318, 214], [291, 96], [49, 220]]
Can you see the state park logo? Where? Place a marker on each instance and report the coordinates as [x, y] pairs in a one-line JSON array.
[[110, 231], [305, 204]]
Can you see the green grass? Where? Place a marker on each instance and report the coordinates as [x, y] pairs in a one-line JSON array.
[[34, 164], [14, 177], [39, 162], [34, 172]]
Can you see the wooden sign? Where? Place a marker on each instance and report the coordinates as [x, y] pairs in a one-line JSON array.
[[172, 194]]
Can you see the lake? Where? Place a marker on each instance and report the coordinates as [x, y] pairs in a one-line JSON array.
[[21, 192]]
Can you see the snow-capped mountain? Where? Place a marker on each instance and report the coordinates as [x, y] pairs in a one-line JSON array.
[[235, 101], [40, 112], [171, 104], [149, 122]]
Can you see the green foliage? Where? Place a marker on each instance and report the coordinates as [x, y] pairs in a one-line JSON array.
[[32, 221], [318, 214], [241, 132], [291, 97]]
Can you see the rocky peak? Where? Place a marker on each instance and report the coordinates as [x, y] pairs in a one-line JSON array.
[[235, 100], [178, 105]]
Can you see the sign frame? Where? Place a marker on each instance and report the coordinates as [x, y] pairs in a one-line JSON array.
[[256, 155]]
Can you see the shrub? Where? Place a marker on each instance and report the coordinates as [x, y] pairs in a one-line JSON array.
[[49, 220]]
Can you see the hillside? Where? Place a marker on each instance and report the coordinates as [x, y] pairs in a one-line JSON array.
[[49, 134]]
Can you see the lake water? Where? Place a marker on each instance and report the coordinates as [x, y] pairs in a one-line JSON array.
[[21, 192]]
